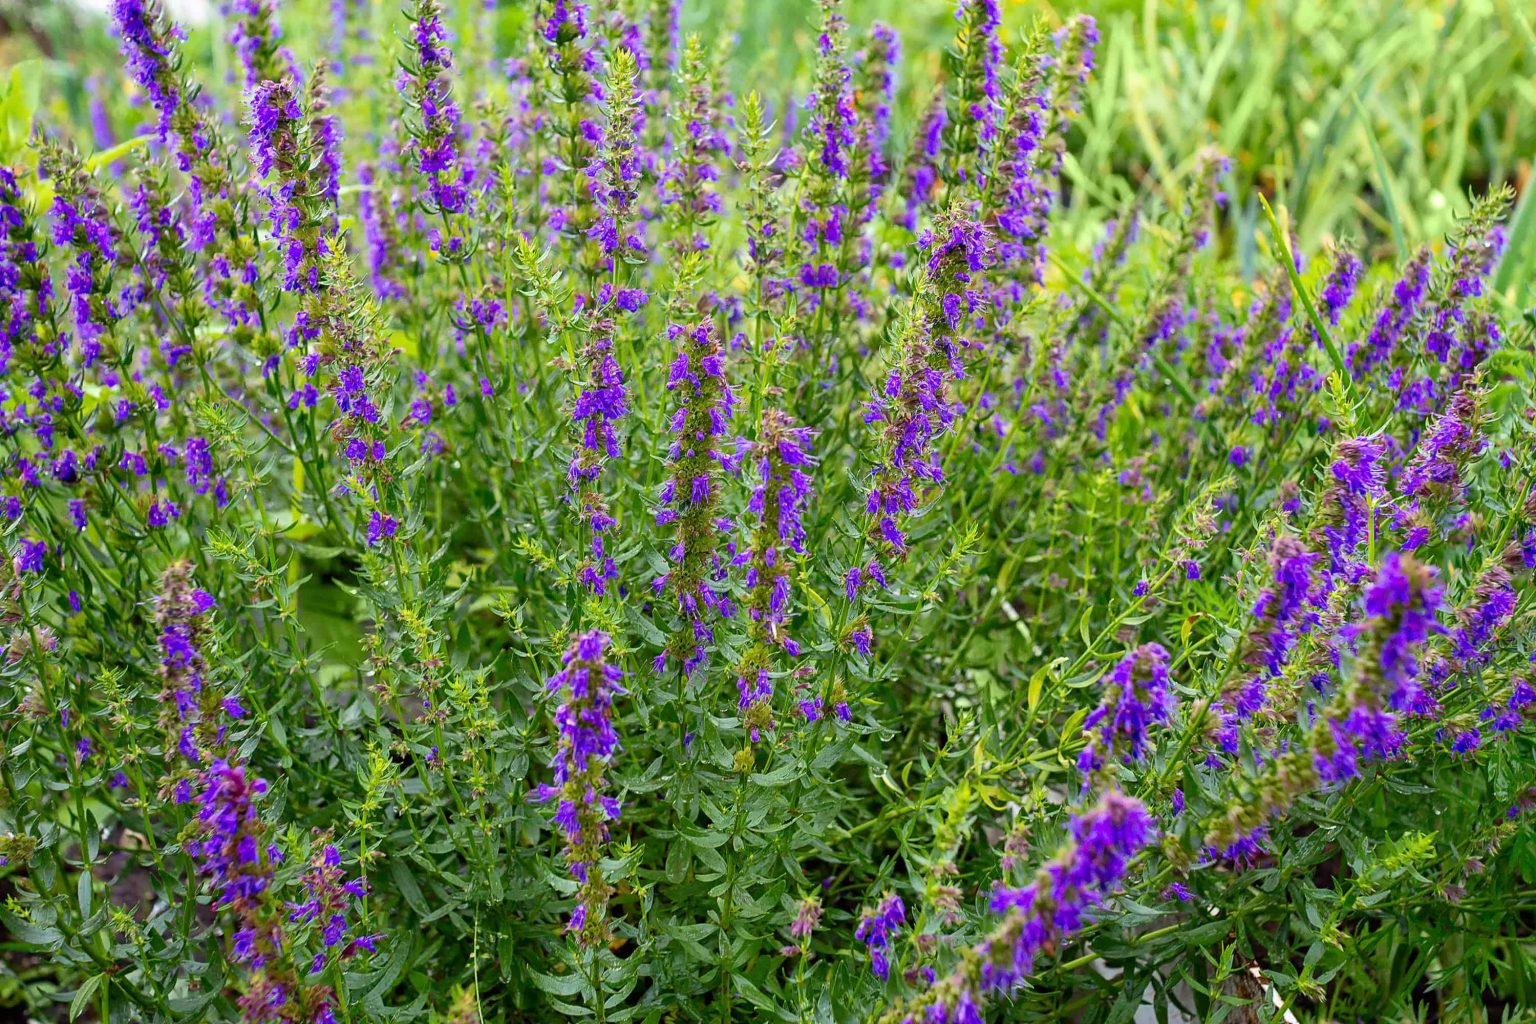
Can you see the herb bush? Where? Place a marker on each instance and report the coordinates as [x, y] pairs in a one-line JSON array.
[[596, 546]]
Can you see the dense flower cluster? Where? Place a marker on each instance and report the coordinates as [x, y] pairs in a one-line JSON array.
[[328, 896], [600, 405], [913, 405], [436, 147], [954, 499]]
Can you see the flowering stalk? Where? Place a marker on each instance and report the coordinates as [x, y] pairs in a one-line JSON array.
[[1290, 605], [429, 90], [602, 400], [1287, 376], [570, 58], [1361, 721], [913, 406], [690, 499], [617, 170], [876, 928], [921, 175], [663, 49], [195, 713], [1392, 318], [688, 184], [583, 811], [1450, 348], [1432, 482], [1159, 334], [1038, 918], [874, 94], [779, 463], [328, 897], [82, 223], [233, 852], [974, 112], [829, 137], [1136, 697], [257, 37], [1022, 190]]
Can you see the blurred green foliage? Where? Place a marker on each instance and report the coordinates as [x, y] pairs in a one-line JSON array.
[[1372, 119]]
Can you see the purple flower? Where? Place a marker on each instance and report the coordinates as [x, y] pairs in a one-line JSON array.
[[921, 178], [830, 129], [257, 38], [1289, 606], [874, 96], [780, 462], [586, 684], [1393, 318], [1136, 697], [912, 405], [329, 895], [1038, 918], [1401, 606], [1357, 473], [1455, 439], [148, 46], [1339, 286], [976, 94], [82, 222], [690, 178], [807, 917], [602, 400], [29, 555], [689, 499], [876, 928], [381, 527], [436, 142], [616, 173], [283, 149], [230, 851], [1471, 257], [195, 714], [1488, 608]]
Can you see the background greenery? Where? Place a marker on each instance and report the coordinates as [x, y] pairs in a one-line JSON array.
[[1370, 119]]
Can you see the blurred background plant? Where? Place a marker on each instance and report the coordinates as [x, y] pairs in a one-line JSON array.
[[1372, 120]]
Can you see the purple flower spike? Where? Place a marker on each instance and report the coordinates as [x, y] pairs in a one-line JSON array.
[[586, 684]]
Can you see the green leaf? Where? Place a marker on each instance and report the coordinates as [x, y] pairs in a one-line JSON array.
[[83, 995], [189, 1005], [96, 161], [559, 984], [1519, 259], [1388, 193], [83, 892], [780, 776], [1036, 684], [17, 111], [406, 883], [1289, 258], [29, 934]]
